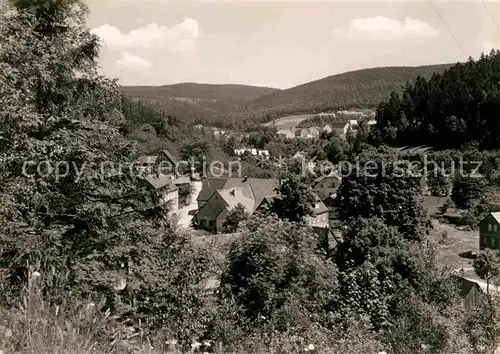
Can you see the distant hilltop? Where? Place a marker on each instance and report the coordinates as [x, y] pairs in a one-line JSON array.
[[233, 105]]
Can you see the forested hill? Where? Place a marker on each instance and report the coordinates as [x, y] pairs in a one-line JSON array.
[[193, 102], [458, 107], [239, 105], [361, 88]]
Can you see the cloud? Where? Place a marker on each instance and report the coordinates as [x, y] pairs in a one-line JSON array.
[[132, 62], [181, 37], [386, 29]]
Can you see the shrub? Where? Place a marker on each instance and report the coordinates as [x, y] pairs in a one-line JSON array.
[[276, 264]]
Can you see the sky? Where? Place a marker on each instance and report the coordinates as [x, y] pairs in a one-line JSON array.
[[283, 44]]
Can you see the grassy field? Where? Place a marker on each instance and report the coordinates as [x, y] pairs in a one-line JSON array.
[[455, 244], [288, 121], [433, 204]]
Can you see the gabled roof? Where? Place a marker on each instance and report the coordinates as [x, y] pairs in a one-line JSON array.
[[466, 285], [153, 158], [321, 207], [170, 157], [182, 180], [320, 178], [496, 216], [239, 195], [269, 200], [160, 182], [147, 159], [260, 187], [209, 186]]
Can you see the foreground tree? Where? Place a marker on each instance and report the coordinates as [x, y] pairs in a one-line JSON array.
[[233, 219], [487, 266], [468, 191], [73, 208], [396, 284], [274, 264], [295, 201], [382, 186]]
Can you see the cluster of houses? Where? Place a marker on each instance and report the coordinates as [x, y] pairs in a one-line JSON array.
[[339, 128], [219, 195], [264, 154], [220, 133]]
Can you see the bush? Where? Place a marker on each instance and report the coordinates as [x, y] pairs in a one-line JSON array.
[[276, 264], [185, 191]]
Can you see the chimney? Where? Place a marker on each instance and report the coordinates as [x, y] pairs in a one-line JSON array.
[[232, 192], [245, 178]]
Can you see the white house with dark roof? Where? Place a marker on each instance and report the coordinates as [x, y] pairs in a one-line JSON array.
[[326, 186], [286, 133], [327, 129], [160, 172], [220, 195]]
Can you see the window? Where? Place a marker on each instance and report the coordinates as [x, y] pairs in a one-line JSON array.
[[495, 229], [489, 227]]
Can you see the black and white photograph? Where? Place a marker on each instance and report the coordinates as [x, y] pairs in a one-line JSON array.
[[268, 177]]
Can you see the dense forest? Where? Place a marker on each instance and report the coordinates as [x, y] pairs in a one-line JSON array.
[[448, 110], [240, 106], [198, 103]]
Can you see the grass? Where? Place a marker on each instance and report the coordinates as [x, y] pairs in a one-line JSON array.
[[433, 204], [37, 328], [288, 122], [454, 244]]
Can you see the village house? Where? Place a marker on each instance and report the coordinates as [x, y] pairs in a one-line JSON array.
[[160, 172], [220, 195], [309, 133], [304, 133], [286, 133], [314, 132], [320, 214], [351, 113], [326, 186], [489, 232], [327, 129], [470, 292], [164, 185], [163, 163], [319, 217], [264, 154]]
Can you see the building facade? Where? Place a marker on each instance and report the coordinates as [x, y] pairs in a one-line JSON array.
[[326, 186], [489, 232]]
